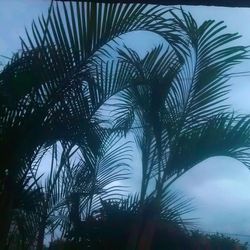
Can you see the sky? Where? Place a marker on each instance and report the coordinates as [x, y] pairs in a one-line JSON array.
[[220, 186]]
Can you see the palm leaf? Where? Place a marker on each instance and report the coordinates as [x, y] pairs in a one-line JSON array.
[[223, 135], [201, 87]]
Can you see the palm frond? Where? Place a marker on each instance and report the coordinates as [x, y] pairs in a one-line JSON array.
[[174, 207], [223, 135], [201, 87]]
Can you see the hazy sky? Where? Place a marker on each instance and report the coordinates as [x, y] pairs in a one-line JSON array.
[[220, 186]]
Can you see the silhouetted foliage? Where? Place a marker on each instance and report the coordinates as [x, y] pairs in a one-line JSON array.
[[54, 92], [114, 228]]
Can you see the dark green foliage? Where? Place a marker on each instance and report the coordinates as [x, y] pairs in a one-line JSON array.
[[114, 226], [215, 241], [71, 67]]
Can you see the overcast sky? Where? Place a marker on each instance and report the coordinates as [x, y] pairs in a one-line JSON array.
[[220, 186]]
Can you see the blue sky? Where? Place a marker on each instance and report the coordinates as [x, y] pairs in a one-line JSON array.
[[220, 186]]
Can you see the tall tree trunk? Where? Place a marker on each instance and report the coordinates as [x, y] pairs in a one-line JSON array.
[[74, 215], [41, 233]]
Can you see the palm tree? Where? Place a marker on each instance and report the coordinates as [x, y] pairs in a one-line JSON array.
[[55, 88], [179, 105], [49, 90], [79, 181]]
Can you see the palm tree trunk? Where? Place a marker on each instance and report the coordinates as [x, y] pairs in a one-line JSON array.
[[74, 215], [41, 234]]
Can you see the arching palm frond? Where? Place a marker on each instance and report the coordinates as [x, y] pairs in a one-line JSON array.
[[153, 76], [178, 98], [174, 206], [56, 57], [200, 89], [61, 47], [223, 135], [109, 166], [85, 27], [80, 180], [197, 97]]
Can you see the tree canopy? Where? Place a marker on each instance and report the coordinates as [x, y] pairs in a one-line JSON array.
[[169, 100]]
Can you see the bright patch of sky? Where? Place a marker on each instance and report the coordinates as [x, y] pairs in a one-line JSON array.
[[220, 186]]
